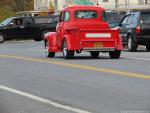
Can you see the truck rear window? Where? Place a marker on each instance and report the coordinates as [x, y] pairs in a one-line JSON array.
[[145, 18], [86, 14]]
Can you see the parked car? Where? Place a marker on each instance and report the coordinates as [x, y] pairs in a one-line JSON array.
[[135, 30], [113, 18], [83, 28], [27, 27]]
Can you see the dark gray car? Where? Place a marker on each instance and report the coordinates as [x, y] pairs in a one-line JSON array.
[[135, 30], [27, 27]]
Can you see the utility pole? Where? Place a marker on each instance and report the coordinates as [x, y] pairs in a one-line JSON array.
[[56, 6], [128, 6], [146, 1], [117, 6]]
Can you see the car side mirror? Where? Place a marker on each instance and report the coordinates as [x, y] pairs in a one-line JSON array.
[[11, 24], [122, 25]]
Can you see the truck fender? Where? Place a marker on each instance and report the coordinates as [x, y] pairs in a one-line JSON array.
[[51, 38], [71, 41], [120, 45]]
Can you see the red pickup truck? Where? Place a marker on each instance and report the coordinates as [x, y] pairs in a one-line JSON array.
[[83, 28]]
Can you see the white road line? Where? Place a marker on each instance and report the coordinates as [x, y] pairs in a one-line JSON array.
[[33, 97], [146, 59]]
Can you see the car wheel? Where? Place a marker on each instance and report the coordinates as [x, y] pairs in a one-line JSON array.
[[67, 54], [1, 38], [94, 54], [148, 47], [115, 54], [132, 46], [48, 54]]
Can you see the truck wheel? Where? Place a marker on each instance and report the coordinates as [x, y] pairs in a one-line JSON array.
[[115, 54], [37, 39], [48, 54], [67, 54], [148, 47], [94, 54], [132, 46], [1, 38]]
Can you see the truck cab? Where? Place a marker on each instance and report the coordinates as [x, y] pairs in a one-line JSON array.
[[83, 28], [11, 28], [27, 27]]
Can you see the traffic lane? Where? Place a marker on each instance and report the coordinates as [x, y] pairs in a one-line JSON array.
[[92, 91], [24, 48], [124, 64], [12, 103], [30, 48], [103, 62], [127, 63], [139, 55], [84, 67]]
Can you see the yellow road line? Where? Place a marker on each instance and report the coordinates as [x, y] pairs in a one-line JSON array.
[[77, 66]]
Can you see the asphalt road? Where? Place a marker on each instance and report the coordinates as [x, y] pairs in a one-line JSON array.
[[32, 83]]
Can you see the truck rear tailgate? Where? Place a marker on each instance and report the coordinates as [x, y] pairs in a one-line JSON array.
[[102, 40]]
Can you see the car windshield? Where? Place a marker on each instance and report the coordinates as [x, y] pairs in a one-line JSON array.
[[86, 14], [6, 22], [145, 18]]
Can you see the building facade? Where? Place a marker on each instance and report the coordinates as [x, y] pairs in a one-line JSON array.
[[45, 5], [107, 4]]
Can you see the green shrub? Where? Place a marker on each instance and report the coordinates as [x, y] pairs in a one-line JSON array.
[[5, 12]]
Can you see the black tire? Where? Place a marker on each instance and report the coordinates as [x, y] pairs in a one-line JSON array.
[[67, 54], [48, 54], [115, 54], [94, 54], [148, 47], [132, 45], [1, 38], [37, 39]]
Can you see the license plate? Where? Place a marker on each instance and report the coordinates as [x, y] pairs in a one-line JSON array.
[[98, 45]]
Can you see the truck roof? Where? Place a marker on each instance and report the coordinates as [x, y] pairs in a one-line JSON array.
[[82, 7]]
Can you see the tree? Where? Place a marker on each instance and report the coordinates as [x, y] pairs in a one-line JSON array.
[[29, 4], [21, 5], [5, 2], [18, 5], [51, 7]]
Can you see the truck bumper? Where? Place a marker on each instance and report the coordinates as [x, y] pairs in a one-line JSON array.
[[99, 49]]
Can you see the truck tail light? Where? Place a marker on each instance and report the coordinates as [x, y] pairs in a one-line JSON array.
[[138, 30]]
